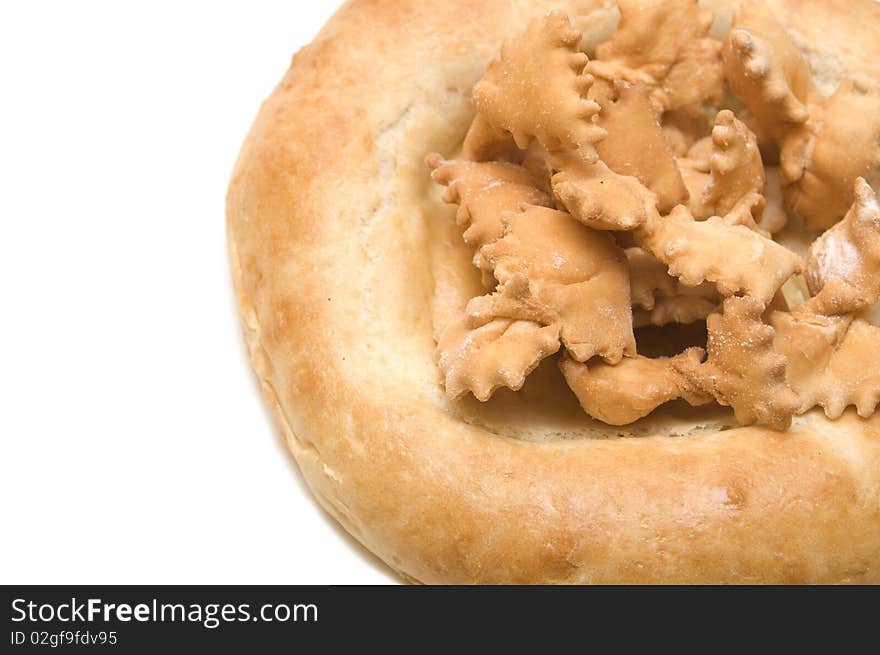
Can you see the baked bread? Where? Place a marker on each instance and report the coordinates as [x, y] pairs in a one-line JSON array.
[[639, 365]]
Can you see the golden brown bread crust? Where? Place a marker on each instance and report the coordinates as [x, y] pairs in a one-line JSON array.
[[329, 242]]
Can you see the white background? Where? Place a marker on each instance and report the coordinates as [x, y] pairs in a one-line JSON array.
[[135, 445]]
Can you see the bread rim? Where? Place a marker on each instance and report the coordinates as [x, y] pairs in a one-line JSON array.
[[328, 242]]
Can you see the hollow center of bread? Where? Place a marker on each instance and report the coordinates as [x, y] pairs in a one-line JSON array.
[[660, 229]]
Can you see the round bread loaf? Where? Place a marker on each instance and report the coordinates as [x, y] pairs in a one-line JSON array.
[[340, 250]]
